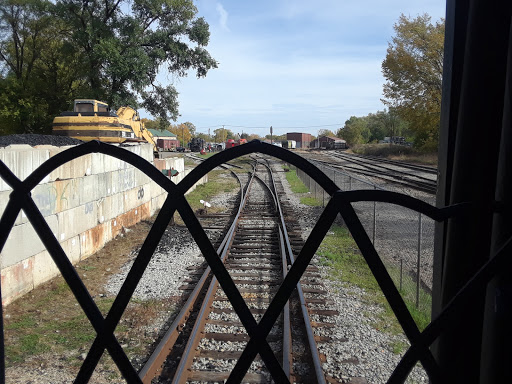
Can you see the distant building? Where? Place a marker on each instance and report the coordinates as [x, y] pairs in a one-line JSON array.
[[328, 142], [165, 140], [303, 140]]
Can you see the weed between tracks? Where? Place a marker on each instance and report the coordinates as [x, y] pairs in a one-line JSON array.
[[219, 182]]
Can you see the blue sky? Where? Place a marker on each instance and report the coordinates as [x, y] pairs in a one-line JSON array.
[[298, 66]]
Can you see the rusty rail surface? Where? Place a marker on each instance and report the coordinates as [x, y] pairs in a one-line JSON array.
[[153, 365], [183, 371]]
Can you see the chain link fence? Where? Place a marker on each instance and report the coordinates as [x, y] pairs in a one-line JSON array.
[[403, 238]]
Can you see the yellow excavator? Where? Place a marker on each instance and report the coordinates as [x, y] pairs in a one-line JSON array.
[[93, 120]]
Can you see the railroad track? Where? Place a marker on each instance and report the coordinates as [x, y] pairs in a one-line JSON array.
[[201, 159], [420, 177], [207, 339]]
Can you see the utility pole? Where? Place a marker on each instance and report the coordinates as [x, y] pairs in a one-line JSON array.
[[271, 135]]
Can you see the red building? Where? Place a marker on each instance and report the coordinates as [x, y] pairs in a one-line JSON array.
[[302, 139], [165, 140]]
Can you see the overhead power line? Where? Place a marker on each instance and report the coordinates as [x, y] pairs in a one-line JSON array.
[[267, 127]]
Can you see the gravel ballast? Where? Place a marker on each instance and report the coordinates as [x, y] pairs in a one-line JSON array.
[[366, 355]]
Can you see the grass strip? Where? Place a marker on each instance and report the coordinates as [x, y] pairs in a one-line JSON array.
[[340, 253], [296, 185], [219, 182]]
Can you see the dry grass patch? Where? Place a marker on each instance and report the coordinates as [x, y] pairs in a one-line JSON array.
[[47, 327]]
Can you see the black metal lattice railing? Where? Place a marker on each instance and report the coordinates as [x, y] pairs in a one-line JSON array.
[[340, 203]]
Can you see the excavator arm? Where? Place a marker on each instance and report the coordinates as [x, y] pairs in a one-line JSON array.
[[140, 131]]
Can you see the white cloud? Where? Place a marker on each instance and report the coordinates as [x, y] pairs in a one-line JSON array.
[[293, 63], [223, 17]]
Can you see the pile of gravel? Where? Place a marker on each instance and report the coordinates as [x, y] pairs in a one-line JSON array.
[[33, 140]]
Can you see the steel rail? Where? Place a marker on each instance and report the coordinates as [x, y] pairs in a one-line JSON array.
[[193, 341], [426, 186], [225, 166], [430, 187], [317, 364], [153, 365], [287, 328], [287, 335], [397, 174], [425, 168], [375, 167]]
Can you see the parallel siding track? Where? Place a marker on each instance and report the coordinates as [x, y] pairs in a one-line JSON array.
[[420, 177]]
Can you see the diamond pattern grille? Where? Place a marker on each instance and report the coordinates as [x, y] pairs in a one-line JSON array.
[[340, 203]]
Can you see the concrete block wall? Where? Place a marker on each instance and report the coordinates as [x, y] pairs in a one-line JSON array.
[[85, 202]]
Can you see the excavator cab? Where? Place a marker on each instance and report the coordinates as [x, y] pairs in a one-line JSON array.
[[87, 107]]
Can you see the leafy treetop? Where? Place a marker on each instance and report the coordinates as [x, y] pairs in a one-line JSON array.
[[52, 52], [413, 70]]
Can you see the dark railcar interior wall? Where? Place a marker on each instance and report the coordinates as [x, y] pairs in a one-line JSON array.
[[474, 165]]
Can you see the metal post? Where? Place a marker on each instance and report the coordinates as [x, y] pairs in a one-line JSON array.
[[418, 278], [401, 272], [374, 218]]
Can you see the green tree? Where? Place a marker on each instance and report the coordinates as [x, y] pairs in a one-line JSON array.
[[123, 45], [275, 138], [203, 136], [254, 136], [355, 131], [326, 132], [52, 51], [223, 134], [376, 123], [395, 125], [191, 128], [413, 71], [150, 124], [36, 72], [386, 123], [182, 132]]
